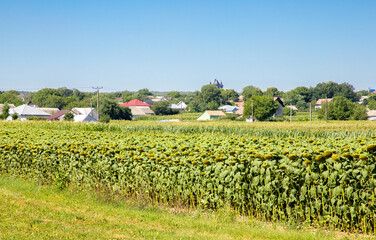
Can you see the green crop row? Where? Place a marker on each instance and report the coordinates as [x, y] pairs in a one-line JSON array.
[[321, 181]]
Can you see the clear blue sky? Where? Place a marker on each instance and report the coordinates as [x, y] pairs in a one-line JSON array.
[[182, 45]]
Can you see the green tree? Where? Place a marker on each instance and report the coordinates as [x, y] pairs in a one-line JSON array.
[[286, 112], [197, 106], [128, 96], [113, 110], [163, 108], [43, 96], [263, 107], [250, 91], [229, 95], [359, 113], [372, 104], [301, 95], [5, 113], [210, 93], [212, 105], [55, 101], [69, 116], [10, 97], [174, 94], [144, 92], [340, 108], [332, 89], [272, 92]]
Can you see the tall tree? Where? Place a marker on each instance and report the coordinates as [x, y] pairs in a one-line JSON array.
[[340, 108], [250, 91], [174, 94], [110, 108], [210, 93], [229, 95], [273, 92], [332, 89], [263, 107], [10, 97]]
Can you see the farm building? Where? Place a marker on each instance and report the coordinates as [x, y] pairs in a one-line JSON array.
[[321, 101], [58, 116], [141, 111], [135, 103], [228, 108], [138, 108], [208, 115], [279, 111], [85, 115], [24, 111]]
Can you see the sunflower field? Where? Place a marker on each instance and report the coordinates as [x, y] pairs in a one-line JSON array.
[[316, 180]]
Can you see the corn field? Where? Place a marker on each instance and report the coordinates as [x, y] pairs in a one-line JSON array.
[[323, 178]]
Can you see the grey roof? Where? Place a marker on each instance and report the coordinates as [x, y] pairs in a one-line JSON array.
[[141, 111], [228, 108], [25, 110]]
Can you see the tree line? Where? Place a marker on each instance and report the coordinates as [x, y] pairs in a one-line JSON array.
[[208, 98]]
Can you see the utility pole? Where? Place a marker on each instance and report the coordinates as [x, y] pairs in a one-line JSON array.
[[310, 111], [252, 108], [290, 113], [97, 88], [326, 109]]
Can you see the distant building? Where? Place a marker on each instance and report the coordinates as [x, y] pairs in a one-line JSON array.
[[25, 111], [208, 115], [85, 115], [217, 83], [138, 108], [58, 116], [180, 106], [281, 105], [228, 108], [321, 101]]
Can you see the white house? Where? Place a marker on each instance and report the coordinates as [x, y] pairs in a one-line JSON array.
[[228, 108], [180, 106], [85, 115], [24, 111]]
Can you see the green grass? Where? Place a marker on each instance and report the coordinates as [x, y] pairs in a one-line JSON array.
[[30, 211]]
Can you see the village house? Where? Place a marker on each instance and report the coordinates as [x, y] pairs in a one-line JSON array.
[[322, 101], [228, 108], [58, 116], [281, 105], [85, 115], [25, 111], [138, 108], [180, 106]]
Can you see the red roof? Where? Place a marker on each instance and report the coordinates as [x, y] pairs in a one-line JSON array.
[[135, 102]]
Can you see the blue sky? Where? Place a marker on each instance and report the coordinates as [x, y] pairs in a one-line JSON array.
[[182, 45]]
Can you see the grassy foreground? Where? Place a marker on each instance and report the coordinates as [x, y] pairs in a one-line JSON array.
[[30, 211]]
